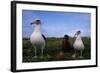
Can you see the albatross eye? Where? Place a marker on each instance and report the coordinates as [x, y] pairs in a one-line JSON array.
[[38, 22]]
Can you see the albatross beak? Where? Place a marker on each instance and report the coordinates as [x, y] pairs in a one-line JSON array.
[[75, 35], [31, 23]]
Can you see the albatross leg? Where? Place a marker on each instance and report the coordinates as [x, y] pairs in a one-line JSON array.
[[42, 49], [81, 52], [74, 55], [35, 53]]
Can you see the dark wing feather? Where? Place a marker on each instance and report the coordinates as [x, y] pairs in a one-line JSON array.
[[44, 37]]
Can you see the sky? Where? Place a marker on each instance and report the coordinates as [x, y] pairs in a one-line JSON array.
[[57, 24]]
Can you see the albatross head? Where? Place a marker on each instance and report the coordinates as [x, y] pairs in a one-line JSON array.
[[77, 33], [36, 21]]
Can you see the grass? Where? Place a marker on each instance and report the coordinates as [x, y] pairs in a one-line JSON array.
[[52, 51]]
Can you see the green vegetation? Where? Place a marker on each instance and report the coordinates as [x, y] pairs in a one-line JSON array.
[[52, 50]]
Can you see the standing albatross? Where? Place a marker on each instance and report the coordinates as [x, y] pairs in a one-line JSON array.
[[78, 45], [37, 38]]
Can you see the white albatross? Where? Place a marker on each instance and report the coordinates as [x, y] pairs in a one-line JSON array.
[[37, 38], [78, 45]]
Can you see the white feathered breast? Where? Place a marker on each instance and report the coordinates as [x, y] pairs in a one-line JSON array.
[[37, 39], [78, 44]]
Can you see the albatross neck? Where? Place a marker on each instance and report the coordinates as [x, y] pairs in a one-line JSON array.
[[37, 28], [78, 36]]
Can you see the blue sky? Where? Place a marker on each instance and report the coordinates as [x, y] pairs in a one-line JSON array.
[[56, 24]]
